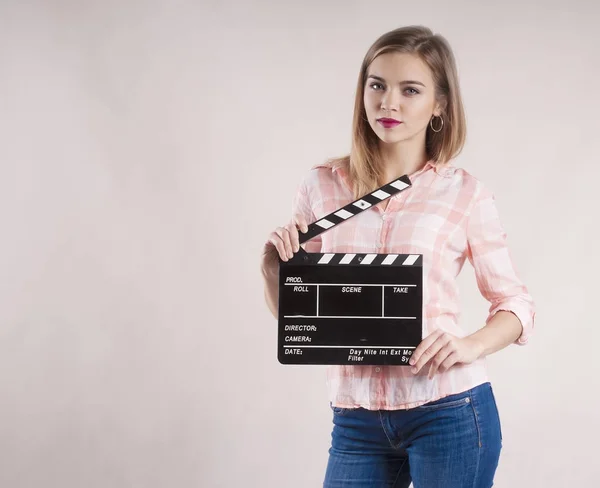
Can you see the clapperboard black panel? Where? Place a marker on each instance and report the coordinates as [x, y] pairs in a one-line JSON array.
[[342, 308]]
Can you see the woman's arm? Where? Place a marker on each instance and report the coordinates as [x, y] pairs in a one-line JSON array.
[[302, 216], [496, 275], [503, 329], [512, 311], [442, 350]]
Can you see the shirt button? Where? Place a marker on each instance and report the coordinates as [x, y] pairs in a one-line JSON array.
[[383, 217], [378, 245], [377, 370]]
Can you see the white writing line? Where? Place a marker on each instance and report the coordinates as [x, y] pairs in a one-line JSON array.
[[362, 346], [343, 284], [343, 317]]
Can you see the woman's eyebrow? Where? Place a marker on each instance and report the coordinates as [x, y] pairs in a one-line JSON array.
[[405, 82]]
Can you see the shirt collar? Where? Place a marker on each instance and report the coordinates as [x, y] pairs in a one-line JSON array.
[[445, 170]]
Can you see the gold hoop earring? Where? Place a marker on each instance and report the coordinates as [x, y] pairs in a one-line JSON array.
[[431, 123]]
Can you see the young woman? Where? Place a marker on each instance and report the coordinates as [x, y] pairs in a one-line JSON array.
[[434, 423]]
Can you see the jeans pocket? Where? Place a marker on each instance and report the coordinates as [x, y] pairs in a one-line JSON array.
[[450, 401]]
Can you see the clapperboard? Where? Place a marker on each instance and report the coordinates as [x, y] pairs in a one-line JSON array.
[[342, 308]]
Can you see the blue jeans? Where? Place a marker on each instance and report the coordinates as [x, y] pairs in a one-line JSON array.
[[454, 442]]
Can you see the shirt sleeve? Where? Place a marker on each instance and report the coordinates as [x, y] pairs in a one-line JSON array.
[[496, 276], [301, 206]]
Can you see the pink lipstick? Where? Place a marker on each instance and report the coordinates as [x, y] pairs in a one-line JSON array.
[[388, 123]]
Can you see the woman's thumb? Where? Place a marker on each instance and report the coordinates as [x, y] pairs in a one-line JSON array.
[[301, 223]]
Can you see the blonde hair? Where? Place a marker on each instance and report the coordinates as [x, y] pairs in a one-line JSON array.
[[364, 162]]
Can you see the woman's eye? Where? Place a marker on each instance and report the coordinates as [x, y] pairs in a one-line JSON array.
[[410, 91]]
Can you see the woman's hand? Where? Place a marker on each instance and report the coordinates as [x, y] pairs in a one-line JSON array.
[[283, 242], [444, 350]]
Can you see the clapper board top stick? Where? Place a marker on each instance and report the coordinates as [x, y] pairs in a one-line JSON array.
[[344, 308]]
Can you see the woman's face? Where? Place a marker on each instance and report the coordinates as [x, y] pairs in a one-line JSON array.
[[400, 86]]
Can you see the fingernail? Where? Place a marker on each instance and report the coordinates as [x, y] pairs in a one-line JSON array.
[[412, 361], [290, 255]]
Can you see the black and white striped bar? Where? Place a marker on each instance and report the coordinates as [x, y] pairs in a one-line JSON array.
[[365, 259], [355, 207]]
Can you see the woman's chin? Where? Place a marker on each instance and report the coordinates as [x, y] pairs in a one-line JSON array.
[[390, 138]]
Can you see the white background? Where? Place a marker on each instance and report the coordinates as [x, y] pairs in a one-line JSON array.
[[147, 148]]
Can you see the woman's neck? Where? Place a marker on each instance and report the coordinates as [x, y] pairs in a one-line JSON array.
[[399, 160]]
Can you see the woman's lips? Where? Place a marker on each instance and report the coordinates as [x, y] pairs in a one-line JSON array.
[[388, 123]]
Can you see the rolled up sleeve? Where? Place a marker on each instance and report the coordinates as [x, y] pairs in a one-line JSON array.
[[301, 206], [495, 272]]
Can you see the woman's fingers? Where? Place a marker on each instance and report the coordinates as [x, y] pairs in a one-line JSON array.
[[428, 348], [417, 359], [284, 235], [301, 223], [298, 222], [275, 239], [293, 235], [440, 358], [286, 239]]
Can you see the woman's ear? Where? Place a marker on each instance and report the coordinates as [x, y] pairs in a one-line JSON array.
[[440, 107]]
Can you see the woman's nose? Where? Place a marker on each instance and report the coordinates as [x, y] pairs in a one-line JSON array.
[[390, 100]]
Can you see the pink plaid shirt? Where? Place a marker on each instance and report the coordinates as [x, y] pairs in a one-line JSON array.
[[448, 216]]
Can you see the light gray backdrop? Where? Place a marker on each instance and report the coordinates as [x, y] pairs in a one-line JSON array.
[[147, 148]]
